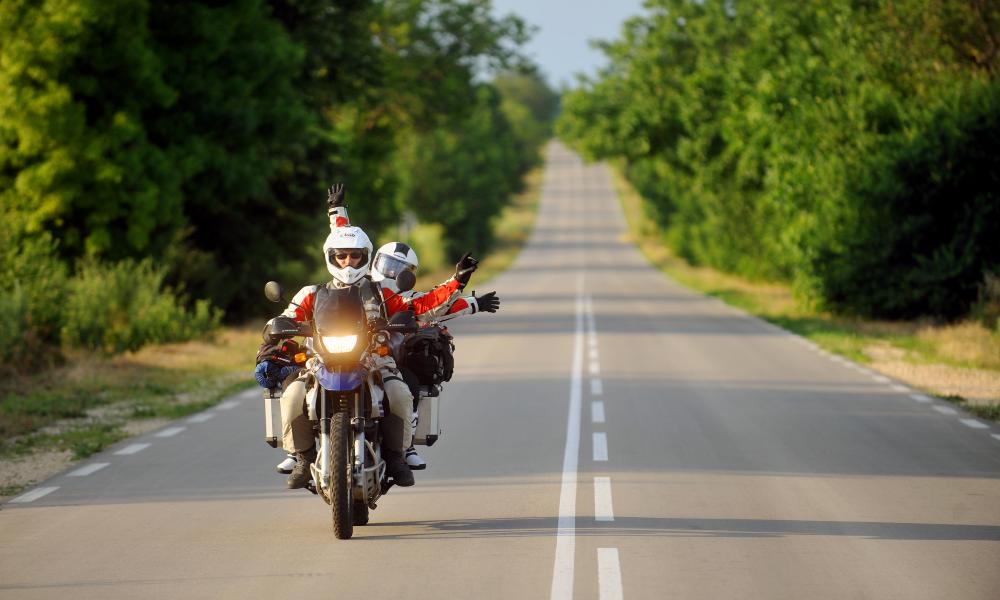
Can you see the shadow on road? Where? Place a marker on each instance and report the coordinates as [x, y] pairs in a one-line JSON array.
[[668, 527]]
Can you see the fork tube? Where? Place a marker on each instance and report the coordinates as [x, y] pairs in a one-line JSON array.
[[324, 440]]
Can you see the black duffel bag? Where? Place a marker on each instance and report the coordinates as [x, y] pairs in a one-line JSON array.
[[429, 354]]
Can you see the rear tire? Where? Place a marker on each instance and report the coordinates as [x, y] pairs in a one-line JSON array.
[[360, 514], [340, 492]]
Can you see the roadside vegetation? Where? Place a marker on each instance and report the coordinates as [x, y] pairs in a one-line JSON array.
[[957, 361]]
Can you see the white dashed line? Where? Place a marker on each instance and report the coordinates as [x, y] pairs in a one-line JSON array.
[[920, 397], [603, 510], [995, 436], [881, 378], [902, 389], [600, 446], [228, 404], [974, 424], [946, 410], [170, 432], [596, 389], [201, 418], [593, 353], [87, 470], [609, 574], [597, 412], [595, 367], [132, 449], [35, 494]]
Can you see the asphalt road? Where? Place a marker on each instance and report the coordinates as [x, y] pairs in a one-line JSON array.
[[607, 434]]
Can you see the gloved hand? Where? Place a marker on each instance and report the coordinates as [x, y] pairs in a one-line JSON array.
[[269, 375], [488, 302], [464, 269], [336, 196]]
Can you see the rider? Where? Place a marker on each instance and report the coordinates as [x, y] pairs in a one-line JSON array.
[[347, 252], [395, 257]]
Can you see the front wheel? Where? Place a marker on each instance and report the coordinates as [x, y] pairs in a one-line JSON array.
[[341, 465]]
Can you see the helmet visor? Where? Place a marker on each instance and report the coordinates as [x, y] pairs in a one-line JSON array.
[[390, 266], [345, 253]]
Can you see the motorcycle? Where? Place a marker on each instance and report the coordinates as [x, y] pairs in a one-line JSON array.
[[344, 397]]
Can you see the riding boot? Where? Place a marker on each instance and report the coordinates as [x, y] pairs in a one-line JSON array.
[[396, 468], [300, 473]]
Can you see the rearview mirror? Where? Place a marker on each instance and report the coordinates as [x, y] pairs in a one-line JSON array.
[[405, 281], [273, 291]]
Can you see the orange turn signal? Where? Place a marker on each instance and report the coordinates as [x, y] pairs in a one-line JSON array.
[[300, 358], [382, 351]]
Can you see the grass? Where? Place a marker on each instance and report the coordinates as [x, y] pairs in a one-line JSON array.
[[84, 405], [938, 358]]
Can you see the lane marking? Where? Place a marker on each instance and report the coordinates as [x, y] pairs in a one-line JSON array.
[[600, 446], [899, 388], [920, 397], [596, 388], [603, 510], [87, 470], [228, 404], [34, 494], [562, 569], [593, 354], [946, 410], [201, 418], [974, 424], [132, 449], [881, 378], [609, 574], [995, 436], [596, 411], [172, 431], [595, 367]]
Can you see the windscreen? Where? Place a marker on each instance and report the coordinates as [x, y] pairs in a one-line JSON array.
[[339, 311]]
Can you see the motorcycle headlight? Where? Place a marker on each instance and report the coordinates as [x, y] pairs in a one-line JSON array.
[[338, 345]]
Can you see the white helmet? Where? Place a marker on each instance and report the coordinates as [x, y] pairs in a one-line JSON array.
[[391, 260], [347, 238]]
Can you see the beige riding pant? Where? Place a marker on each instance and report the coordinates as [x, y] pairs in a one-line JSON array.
[[397, 429]]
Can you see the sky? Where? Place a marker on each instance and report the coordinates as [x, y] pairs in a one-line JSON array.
[[560, 45]]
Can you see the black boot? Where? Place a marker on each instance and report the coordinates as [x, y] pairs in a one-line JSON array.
[[300, 473], [397, 468]]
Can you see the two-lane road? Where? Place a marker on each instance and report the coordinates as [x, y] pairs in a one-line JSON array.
[[607, 434]]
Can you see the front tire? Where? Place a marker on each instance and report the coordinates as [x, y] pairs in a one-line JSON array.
[[360, 513], [340, 492]]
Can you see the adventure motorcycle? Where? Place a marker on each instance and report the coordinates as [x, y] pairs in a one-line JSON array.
[[344, 397]]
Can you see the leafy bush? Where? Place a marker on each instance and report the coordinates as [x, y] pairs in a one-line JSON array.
[[124, 306]]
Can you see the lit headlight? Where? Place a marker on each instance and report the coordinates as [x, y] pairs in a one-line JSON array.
[[337, 345]]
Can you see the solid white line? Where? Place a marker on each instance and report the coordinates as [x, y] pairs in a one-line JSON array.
[[603, 510], [600, 445], [87, 470], [595, 367], [596, 388], [562, 570], [974, 424], [899, 388], [35, 494], [596, 411], [228, 404], [132, 449], [201, 418], [946, 410], [920, 397], [609, 574], [172, 431]]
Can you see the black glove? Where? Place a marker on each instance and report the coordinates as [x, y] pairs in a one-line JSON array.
[[464, 269], [488, 303], [336, 197]]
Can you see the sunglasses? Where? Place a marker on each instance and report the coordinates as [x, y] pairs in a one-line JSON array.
[[345, 255]]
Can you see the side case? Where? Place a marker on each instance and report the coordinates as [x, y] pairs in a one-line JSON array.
[[428, 423]]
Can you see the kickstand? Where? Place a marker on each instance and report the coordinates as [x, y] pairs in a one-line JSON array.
[[312, 488]]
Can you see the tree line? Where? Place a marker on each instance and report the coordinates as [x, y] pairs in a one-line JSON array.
[[186, 147], [850, 147]]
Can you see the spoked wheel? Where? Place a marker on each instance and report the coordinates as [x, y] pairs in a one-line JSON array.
[[340, 493]]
